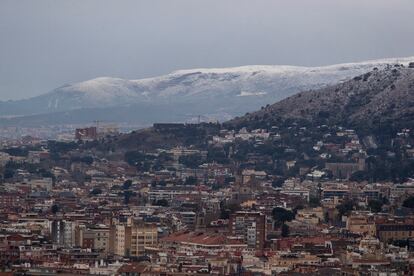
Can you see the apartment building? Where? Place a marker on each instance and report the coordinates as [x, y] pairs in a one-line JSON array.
[[132, 239], [251, 226]]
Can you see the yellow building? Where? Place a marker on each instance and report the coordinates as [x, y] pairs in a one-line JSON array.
[[310, 216], [361, 223], [287, 261], [142, 236], [131, 240], [122, 240]]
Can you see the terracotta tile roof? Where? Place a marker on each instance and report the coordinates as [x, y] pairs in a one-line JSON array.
[[134, 267], [199, 238]]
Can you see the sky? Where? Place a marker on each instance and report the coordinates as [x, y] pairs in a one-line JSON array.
[[45, 44]]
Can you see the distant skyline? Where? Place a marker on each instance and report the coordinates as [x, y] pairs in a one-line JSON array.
[[47, 43]]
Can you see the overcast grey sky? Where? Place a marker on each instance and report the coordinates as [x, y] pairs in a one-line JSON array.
[[47, 43]]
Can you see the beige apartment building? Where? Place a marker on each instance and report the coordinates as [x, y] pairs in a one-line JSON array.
[[131, 240], [361, 223], [96, 237]]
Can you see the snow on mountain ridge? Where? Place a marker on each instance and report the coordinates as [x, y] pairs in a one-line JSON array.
[[102, 90], [106, 89], [291, 68], [227, 91]]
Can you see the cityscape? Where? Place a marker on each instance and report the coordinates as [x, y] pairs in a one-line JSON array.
[[77, 207], [134, 165]]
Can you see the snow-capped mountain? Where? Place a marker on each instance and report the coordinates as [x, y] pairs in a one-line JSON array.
[[217, 93], [379, 101]]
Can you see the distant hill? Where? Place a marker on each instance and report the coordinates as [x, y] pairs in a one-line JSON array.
[[379, 99], [180, 96]]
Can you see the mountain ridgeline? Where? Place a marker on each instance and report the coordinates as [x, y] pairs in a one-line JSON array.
[[379, 100], [182, 96]]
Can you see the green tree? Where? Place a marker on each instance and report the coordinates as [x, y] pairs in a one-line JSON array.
[[191, 161], [127, 184], [409, 202], [229, 179], [96, 191], [165, 157], [134, 158], [8, 173], [191, 180], [285, 230], [281, 215], [217, 154], [115, 187], [61, 147], [127, 196], [161, 202], [314, 202], [17, 151], [345, 208], [375, 205], [359, 176], [55, 208], [227, 210], [278, 183]]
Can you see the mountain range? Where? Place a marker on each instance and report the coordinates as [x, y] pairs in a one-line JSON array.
[[381, 100], [212, 94]]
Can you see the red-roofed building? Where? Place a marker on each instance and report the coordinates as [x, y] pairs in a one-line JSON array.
[[199, 242]]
